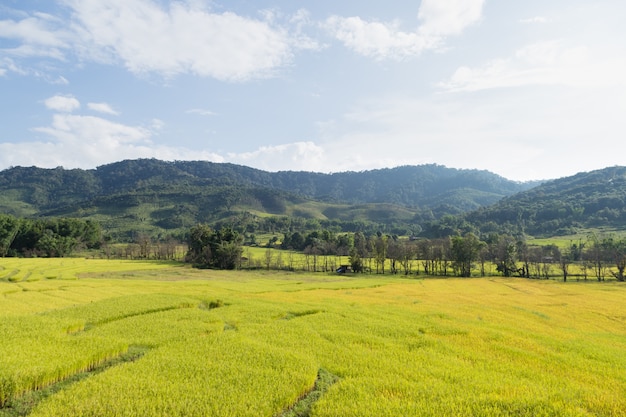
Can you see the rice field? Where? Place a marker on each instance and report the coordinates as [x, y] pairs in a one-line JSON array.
[[237, 343]]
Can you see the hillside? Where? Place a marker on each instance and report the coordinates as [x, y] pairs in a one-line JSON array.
[[152, 195], [158, 197], [559, 207]]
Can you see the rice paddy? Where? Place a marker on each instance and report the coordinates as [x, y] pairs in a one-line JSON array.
[[215, 343]]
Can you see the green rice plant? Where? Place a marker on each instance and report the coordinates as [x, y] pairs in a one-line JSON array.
[[161, 328], [74, 268], [225, 374], [39, 351], [119, 308], [449, 347]]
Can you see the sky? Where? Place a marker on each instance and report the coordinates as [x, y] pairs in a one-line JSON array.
[[529, 90]]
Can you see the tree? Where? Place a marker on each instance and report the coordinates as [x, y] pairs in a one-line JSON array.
[[395, 251], [293, 240], [311, 251], [269, 255], [9, 227], [523, 254], [380, 246], [407, 255], [356, 261], [214, 248], [564, 261], [143, 242], [344, 244], [464, 250], [360, 244], [503, 250], [621, 265], [228, 255], [616, 251], [535, 255], [596, 253], [54, 245]]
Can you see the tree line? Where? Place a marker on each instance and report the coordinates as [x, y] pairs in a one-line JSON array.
[[46, 237], [460, 255], [221, 247]]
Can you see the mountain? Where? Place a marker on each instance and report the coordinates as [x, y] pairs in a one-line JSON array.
[[560, 207], [151, 195]]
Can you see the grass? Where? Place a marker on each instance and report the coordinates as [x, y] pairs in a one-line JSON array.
[[284, 344], [566, 242]]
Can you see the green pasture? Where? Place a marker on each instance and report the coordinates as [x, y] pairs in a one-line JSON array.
[[583, 237], [260, 257], [260, 343]]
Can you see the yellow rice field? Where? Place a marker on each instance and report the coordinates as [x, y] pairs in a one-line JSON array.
[[221, 343]]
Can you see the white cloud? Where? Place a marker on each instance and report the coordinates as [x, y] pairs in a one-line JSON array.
[[157, 124], [65, 104], [40, 35], [377, 39], [35, 30], [384, 40], [102, 108], [76, 141], [534, 133], [9, 65], [147, 36], [74, 129], [298, 156], [448, 17], [201, 112], [535, 19], [185, 38], [542, 63]]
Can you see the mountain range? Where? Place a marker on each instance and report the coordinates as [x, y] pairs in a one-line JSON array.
[[158, 197]]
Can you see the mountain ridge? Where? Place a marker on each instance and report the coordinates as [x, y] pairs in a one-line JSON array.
[[407, 182], [561, 206], [169, 195], [159, 196]]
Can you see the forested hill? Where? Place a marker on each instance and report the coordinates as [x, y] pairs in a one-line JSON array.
[[424, 185], [413, 186], [559, 207], [155, 196]]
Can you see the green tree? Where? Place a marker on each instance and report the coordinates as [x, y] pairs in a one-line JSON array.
[[407, 253], [380, 246], [464, 250], [503, 250], [356, 261], [54, 245], [293, 240], [360, 244], [228, 255], [9, 227], [214, 248], [615, 250], [597, 254], [395, 253], [565, 259]]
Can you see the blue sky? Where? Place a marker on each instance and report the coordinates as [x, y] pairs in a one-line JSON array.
[[526, 89]]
